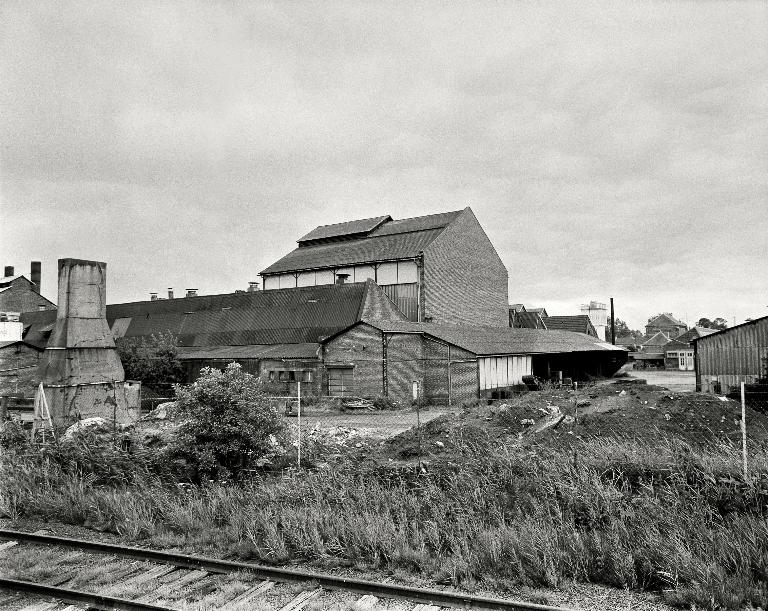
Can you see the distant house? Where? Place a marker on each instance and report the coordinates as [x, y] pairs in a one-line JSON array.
[[520, 318], [439, 268], [579, 323], [651, 352], [666, 324], [679, 352], [21, 294]]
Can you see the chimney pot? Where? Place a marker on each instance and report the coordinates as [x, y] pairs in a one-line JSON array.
[[191, 292], [8, 271], [170, 292], [153, 296], [341, 278], [253, 287]]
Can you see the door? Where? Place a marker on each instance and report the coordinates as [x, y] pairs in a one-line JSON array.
[[340, 381]]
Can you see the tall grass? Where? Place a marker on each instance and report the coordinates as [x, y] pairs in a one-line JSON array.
[[627, 513]]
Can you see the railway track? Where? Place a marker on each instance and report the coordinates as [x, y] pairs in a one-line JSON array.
[[71, 574]]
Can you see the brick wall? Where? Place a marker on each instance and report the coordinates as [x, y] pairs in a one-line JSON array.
[[409, 357], [21, 297], [465, 281], [361, 347], [378, 306], [18, 369]]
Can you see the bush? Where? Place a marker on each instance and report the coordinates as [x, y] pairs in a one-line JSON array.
[[230, 424], [154, 361]]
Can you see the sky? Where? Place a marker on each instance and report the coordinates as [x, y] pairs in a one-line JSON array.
[[608, 149]]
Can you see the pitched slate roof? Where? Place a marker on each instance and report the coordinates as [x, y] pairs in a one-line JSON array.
[[578, 323], [390, 240], [285, 316], [665, 320], [529, 320], [658, 339], [486, 341], [363, 226], [694, 333]]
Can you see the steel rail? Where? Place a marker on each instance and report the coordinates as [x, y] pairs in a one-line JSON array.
[[97, 601], [330, 582]]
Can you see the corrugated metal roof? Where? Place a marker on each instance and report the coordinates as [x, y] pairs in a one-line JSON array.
[[501, 340], [578, 323], [400, 239], [323, 232], [342, 254], [417, 223], [271, 351], [285, 316]]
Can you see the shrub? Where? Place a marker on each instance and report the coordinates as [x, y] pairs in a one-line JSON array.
[[154, 361], [229, 424]]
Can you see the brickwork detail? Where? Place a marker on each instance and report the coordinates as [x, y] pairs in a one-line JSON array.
[[19, 370], [465, 281], [378, 306], [21, 296]]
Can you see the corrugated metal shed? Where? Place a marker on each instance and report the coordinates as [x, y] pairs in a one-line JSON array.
[[731, 356]]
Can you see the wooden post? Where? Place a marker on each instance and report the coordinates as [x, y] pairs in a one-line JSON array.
[[744, 432], [298, 462]]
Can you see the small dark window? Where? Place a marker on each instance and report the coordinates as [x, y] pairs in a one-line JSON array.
[[271, 376], [291, 376], [283, 376]]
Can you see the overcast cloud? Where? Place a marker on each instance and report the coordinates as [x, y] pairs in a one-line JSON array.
[[608, 149]]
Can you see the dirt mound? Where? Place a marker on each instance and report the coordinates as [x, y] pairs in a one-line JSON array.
[[625, 409]]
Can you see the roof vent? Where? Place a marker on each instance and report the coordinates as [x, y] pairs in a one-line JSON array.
[[341, 278], [170, 292], [191, 292], [253, 287], [153, 296]]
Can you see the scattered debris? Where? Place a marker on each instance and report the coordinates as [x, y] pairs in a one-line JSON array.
[[95, 421]]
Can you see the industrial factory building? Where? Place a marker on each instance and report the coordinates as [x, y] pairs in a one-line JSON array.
[[367, 307], [455, 363], [440, 268]]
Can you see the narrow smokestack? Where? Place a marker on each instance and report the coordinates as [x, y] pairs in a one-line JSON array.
[[8, 271], [253, 287], [191, 292], [170, 292], [613, 325], [341, 278], [34, 274], [153, 296]]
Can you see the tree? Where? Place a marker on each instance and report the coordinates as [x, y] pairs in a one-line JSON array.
[[228, 423], [717, 323], [154, 361], [622, 329]]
